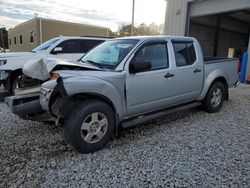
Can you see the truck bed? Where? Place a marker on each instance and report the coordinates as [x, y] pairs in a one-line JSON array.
[[226, 66], [210, 60]]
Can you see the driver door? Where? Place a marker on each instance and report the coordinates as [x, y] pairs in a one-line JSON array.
[[149, 90], [68, 48]]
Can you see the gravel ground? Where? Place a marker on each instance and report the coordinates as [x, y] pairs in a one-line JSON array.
[[187, 149]]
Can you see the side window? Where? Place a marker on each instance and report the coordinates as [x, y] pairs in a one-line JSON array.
[[70, 46], [184, 53], [156, 54], [86, 45]]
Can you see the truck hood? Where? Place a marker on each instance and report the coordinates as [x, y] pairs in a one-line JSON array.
[[16, 54], [41, 68]]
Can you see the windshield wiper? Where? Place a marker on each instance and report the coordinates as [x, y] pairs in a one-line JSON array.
[[94, 63]]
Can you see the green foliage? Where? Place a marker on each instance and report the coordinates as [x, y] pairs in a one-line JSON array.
[[141, 30]]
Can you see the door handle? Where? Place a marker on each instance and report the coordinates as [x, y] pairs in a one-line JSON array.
[[169, 75], [197, 70]]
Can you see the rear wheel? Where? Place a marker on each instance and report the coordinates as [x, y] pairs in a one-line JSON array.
[[214, 98], [90, 126]]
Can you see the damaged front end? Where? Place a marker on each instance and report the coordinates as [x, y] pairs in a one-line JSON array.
[[26, 105], [56, 101]]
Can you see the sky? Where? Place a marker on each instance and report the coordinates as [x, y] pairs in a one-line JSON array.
[[106, 13]]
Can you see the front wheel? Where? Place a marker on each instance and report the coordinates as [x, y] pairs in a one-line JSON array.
[[90, 126], [214, 98], [15, 85]]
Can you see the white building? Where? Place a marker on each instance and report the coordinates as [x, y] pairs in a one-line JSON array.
[[221, 26]]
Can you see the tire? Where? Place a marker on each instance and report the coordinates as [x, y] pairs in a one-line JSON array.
[[14, 84], [214, 98], [97, 130], [4, 85]]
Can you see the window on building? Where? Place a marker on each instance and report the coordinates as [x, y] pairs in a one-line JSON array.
[[10, 42], [32, 36], [156, 54], [21, 39], [86, 45], [15, 40], [184, 53]]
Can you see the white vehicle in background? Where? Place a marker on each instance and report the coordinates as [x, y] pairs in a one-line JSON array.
[[69, 48]]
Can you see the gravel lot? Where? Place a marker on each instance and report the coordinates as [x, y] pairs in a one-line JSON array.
[[187, 149]]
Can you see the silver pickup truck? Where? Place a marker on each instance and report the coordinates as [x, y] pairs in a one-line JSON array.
[[126, 81]]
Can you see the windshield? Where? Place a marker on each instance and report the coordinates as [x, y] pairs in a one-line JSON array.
[[109, 54], [45, 45]]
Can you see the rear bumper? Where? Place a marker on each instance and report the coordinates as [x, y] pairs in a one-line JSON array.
[[28, 107]]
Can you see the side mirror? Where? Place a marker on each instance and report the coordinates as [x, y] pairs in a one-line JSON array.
[[139, 65], [57, 50]]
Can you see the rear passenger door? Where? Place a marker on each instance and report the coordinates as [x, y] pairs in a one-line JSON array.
[[188, 72]]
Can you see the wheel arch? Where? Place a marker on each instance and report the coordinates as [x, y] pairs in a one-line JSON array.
[[210, 82], [97, 96], [71, 100], [224, 82]]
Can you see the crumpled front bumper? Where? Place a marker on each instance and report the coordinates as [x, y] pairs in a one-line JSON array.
[[24, 105], [27, 106], [45, 94]]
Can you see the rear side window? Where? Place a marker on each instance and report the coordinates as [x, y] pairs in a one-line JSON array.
[[86, 45], [184, 53], [70, 46]]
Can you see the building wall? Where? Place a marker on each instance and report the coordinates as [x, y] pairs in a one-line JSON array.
[[49, 29], [176, 15], [179, 11], [53, 28], [177, 19], [24, 30]]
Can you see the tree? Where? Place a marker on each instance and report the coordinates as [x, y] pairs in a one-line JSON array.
[[125, 30], [142, 29]]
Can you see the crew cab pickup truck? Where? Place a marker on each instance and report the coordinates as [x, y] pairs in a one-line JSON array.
[[64, 47], [126, 81]]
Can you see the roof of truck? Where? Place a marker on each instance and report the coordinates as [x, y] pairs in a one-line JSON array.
[[84, 37], [155, 37]]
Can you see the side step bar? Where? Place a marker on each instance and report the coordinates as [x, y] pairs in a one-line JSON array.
[[142, 119]]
